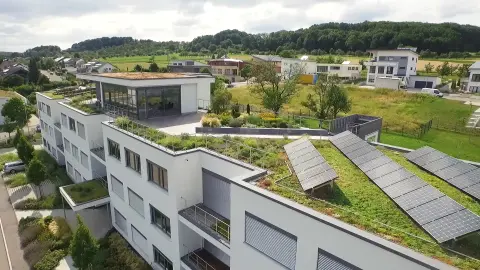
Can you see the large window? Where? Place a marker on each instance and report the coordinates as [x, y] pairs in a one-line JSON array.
[[78, 177], [81, 130], [372, 69], [475, 77], [49, 111], [64, 120], [162, 260], [381, 70], [132, 160], [326, 260], [69, 169], [113, 149], [335, 68], [157, 174], [71, 123], [139, 239], [322, 68], [84, 159], [117, 186], [160, 220], [67, 145], [136, 202], [389, 70], [158, 101], [75, 152], [120, 220]]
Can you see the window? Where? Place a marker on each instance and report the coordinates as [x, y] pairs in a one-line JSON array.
[[401, 68], [234, 72], [48, 146], [44, 142], [335, 68], [322, 68], [413, 59], [219, 71], [139, 239], [266, 238], [326, 260], [121, 221], [49, 111], [381, 70], [117, 186], [390, 58], [72, 124], [157, 174], [160, 220], [84, 159], [69, 168], [50, 131], [67, 145], [81, 130], [389, 70], [78, 177], [403, 57], [132, 160], [161, 260], [64, 120], [371, 80], [475, 77], [41, 124], [372, 69], [113, 149], [411, 68], [75, 152], [136, 202]]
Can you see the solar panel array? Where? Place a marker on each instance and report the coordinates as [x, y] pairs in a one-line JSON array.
[[439, 215], [459, 174], [311, 168]]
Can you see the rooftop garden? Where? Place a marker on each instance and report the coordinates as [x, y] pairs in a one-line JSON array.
[[85, 103], [53, 94], [87, 191], [354, 199]]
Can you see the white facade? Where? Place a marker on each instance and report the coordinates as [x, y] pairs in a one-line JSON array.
[[473, 85], [304, 66], [347, 71], [400, 63]]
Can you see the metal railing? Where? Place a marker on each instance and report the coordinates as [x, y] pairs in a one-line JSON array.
[[210, 221], [198, 261]]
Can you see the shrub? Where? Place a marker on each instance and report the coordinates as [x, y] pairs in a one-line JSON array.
[[236, 122], [48, 220], [30, 233], [235, 110], [248, 125], [248, 108], [266, 115], [50, 260], [34, 252], [26, 221], [52, 201], [171, 142], [254, 120], [210, 122], [5, 158], [225, 119], [120, 255], [283, 125], [122, 122], [58, 226]]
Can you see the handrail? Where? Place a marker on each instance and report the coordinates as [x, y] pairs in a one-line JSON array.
[[198, 261], [207, 216]]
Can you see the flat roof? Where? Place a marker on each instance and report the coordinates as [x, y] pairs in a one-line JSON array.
[[149, 75], [475, 65], [393, 50]]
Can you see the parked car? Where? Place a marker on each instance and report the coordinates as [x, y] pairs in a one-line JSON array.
[[432, 92], [13, 167]]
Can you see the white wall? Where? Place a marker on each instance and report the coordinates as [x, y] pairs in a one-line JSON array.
[[388, 83], [473, 84], [435, 80], [307, 67], [203, 93], [188, 98]]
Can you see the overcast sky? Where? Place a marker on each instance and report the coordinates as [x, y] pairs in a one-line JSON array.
[[28, 23]]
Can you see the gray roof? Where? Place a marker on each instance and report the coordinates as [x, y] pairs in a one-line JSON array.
[[13, 70], [475, 65], [268, 58], [195, 63]]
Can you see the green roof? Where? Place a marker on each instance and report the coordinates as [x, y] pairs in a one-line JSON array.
[[87, 191]]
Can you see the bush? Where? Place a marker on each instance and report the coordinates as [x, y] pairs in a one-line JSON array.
[[26, 222], [283, 125], [267, 115], [225, 119], [120, 254], [58, 226], [171, 142], [52, 201], [5, 158], [236, 122], [30, 233], [210, 122], [123, 122], [34, 252], [50, 260], [254, 120], [48, 220]]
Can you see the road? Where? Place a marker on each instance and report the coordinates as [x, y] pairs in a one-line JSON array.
[[475, 100], [3, 253]]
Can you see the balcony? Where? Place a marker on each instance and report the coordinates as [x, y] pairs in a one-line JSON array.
[[60, 147], [208, 221], [201, 259], [86, 194], [99, 152], [58, 125]]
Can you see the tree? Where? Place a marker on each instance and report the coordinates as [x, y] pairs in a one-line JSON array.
[[8, 126], [246, 72], [429, 67], [76, 55], [25, 149], [137, 68], [462, 71], [152, 59], [154, 67], [205, 70], [268, 85], [17, 111], [16, 138], [221, 97], [328, 99], [42, 79], [33, 71], [443, 69], [13, 81], [83, 246], [287, 54], [36, 173]]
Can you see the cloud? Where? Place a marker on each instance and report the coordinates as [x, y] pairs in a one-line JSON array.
[[28, 23]]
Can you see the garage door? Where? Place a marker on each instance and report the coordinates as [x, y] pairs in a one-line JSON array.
[[423, 84]]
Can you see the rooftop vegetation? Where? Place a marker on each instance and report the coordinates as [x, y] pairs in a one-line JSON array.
[[87, 191], [53, 94], [84, 103], [354, 199]]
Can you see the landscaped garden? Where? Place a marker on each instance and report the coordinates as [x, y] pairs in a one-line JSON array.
[[355, 199], [87, 191], [85, 103], [45, 241]]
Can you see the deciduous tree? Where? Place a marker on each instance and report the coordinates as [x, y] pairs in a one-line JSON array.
[[36, 173], [17, 111], [154, 67], [25, 149], [83, 247], [221, 97], [8, 125], [429, 67], [246, 72]]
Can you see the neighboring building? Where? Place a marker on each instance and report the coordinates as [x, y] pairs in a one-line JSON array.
[[59, 59], [187, 66], [346, 70], [70, 62], [473, 85], [196, 209], [229, 68], [6, 64], [6, 96], [14, 69], [275, 59], [290, 65], [95, 67]]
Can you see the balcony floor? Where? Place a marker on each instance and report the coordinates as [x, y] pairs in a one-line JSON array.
[[206, 225], [207, 257], [176, 125], [99, 152]]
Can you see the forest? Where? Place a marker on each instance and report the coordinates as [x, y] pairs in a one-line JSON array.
[[437, 40]]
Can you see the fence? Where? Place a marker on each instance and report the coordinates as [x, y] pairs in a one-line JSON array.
[[408, 132], [458, 126]]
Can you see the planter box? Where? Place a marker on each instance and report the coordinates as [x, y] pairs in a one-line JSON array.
[[263, 131]]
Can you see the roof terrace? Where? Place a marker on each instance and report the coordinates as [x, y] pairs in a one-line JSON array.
[[149, 75], [354, 199]]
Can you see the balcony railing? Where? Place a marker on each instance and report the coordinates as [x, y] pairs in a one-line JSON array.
[[60, 147], [58, 125], [211, 223], [201, 259]]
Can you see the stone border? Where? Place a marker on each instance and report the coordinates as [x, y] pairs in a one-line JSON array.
[[263, 131]]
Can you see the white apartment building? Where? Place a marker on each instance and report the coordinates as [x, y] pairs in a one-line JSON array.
[[473, 85], [198, 209], [346, 70]]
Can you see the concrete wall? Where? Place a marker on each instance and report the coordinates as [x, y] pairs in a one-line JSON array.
[[473, 87], [389, 83], [188, 98], [373, 126]]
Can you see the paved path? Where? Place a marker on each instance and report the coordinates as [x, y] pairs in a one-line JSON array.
[[3, 252], [66, 264], [10, 226]]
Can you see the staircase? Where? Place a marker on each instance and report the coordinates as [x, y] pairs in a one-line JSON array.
[[474, 121]]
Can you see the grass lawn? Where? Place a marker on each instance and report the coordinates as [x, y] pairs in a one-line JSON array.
[[5, 158], [86, 191], [458, 145], [16, 180]]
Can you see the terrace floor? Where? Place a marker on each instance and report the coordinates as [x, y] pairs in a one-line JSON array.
[[176, 125], [197, 260]]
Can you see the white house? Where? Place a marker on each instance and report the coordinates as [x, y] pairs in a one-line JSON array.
[[197, 209], [94, 67], [398, 63], [290, 65], [473, 85], [346, 70]]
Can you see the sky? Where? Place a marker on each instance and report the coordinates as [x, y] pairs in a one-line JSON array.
[[28, 23]]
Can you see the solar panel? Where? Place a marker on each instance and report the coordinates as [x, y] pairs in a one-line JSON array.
[[438, 214], [311, 168], [455, 172]]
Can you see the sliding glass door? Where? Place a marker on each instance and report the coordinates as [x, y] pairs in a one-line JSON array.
[[158, 101]]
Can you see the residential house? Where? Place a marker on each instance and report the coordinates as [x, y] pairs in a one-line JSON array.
[[228, 68], [95, 67], [346, 70], [14, 69], [275, 59], [473, 85], [399, 64], [187, 66]]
